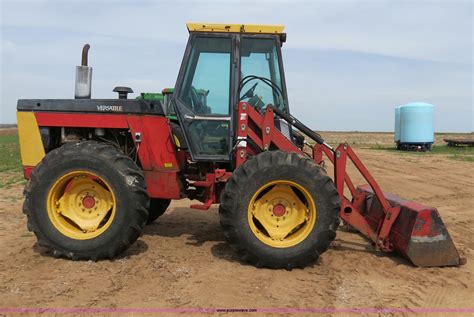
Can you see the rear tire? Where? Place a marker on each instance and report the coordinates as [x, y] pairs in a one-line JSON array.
[[157, 209], [74, 183], [249, 204]]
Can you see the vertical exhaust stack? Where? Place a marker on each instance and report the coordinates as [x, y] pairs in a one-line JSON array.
[[83, 77]]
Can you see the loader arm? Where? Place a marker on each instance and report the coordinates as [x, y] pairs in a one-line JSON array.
[[391, 223]]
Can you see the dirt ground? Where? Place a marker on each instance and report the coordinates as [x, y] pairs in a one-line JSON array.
[[182, 260]]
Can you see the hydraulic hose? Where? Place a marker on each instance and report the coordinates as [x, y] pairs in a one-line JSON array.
[[299, 125]]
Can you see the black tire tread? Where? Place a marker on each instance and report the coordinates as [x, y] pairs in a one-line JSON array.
[[157, 208], [122, 163], [238, 182]]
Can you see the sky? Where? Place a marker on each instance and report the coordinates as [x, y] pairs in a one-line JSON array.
[[348, 64]]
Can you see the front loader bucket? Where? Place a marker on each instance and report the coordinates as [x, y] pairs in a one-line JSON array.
[[418, 233]]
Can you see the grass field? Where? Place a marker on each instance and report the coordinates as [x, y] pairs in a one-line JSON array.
[[10, 163], [462, 153]]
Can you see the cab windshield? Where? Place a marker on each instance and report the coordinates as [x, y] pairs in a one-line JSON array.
[[260, 75]]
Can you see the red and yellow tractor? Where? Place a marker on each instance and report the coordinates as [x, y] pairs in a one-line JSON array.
[[99, 170]]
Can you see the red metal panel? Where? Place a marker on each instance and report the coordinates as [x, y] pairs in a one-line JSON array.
[[163, 184], [242, 131], [143, 147], [268, 128], [157, 155], [81, 120], [159, 139], [340, 169]]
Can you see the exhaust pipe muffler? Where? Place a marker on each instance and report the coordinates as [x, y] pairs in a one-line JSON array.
[[83, 85]]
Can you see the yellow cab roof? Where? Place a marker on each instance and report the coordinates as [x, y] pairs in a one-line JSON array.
[[235, 28]]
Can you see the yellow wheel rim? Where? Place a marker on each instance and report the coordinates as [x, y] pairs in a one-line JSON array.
[[81, 205], [281, 213]]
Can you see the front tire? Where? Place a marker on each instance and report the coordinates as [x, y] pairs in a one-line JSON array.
[[87, 201], [157, 209], [279, 210]]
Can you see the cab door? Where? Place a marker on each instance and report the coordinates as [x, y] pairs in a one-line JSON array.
[[203, 96]]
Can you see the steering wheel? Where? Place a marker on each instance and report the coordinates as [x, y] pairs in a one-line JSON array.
[[249, 93]]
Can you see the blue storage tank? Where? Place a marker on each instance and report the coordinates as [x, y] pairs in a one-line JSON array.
[[416, 126], [397, 124]]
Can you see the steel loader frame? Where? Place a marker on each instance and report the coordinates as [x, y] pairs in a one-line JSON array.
[[370, 211]]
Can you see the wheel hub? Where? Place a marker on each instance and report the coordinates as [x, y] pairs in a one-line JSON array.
[[88, 202], [282, 213], [81, 205], [279, 210]]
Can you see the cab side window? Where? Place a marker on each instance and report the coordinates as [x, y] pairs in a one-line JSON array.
[[206, 86], [259, 57]]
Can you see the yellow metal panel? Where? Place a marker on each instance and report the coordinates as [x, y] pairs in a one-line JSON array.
[[235, 28], [31, 146]]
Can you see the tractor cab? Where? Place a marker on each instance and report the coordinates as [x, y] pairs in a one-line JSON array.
[[223, 65]]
